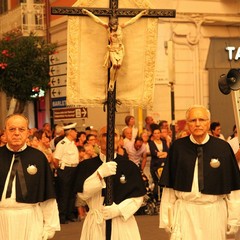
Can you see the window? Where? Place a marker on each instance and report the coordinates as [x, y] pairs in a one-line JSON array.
[[3, 6]]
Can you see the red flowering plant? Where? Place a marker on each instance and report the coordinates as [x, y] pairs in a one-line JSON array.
[[24, 64]]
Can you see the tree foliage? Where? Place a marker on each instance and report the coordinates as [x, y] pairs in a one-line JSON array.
[[24, 65]]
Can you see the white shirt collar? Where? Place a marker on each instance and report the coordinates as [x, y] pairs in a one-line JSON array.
[[19, 150], [203, 142]]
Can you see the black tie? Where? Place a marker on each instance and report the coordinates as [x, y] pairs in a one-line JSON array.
[[17, 169], [12, 175], [200, 168]]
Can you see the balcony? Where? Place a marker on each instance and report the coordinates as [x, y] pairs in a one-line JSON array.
[[27, 17]]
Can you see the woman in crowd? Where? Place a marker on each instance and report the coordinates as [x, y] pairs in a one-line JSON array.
[[92, 139], [159, 151], [44, 146], [33, 140], [130, 122], [145, 137], [81, 138]]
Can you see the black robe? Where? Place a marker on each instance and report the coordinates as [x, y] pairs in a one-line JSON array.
[[40, 186], [134, 186], [179, 169]]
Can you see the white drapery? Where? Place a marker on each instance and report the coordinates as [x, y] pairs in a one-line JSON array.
[[87, 46]]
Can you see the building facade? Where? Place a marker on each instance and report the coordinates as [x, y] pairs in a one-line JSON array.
[[191, 55]]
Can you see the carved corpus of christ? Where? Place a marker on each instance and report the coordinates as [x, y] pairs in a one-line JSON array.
[[115, 53]]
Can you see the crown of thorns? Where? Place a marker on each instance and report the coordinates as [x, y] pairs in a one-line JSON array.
[[113, 21]]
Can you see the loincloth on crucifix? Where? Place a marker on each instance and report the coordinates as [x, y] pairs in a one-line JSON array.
[[117, 53], [87, 49]]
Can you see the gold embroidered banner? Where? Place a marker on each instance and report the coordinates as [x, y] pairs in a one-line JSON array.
[[87, 46]]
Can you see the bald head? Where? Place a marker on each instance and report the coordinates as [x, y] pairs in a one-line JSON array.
[[103, 139], [16, 129]]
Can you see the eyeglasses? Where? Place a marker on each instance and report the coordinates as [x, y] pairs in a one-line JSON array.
[[199, 120]]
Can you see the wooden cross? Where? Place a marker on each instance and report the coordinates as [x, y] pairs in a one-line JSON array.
[[113, 10]]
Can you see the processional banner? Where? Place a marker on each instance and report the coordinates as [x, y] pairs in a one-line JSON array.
[[87, 46]]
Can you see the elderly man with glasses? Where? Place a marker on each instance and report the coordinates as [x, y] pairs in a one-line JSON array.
[[201, 198]]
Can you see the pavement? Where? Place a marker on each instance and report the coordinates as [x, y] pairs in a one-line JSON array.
[[148, 227]]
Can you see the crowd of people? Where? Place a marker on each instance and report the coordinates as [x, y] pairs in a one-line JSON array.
[[77, 161], [148, 149]]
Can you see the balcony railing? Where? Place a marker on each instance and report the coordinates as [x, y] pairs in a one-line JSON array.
[[27, 17]]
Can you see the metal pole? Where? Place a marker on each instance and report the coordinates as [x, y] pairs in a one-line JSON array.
[[48, 40], [173, 112], [171, 71]]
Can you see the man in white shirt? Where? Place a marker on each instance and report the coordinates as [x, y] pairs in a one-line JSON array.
[[66, 155], [137, 152]]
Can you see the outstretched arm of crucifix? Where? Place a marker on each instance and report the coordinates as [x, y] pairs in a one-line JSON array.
[[134, 19], [95, 18]]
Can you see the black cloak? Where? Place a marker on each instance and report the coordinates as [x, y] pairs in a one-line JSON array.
[[134, 186], [40, 186], [179, 168]]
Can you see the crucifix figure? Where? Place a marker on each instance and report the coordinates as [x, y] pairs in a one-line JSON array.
[[113, 11], [115, 54]]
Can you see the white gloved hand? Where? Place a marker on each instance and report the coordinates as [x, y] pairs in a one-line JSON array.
[[48, 235], [232, 229], [110, 212], [107, 169]]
